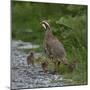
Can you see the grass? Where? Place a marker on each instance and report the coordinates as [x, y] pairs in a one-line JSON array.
[[78, 76]]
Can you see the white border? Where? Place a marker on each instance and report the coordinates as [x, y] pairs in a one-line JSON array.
[[5, 43], [84, 2]]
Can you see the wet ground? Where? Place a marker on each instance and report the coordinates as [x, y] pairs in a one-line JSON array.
[[23, 76]]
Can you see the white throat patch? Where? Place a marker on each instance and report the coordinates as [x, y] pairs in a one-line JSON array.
[[44, 26]]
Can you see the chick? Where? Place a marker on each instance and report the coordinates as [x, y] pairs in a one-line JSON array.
[[44, 66], [72, 66], [30, 59]]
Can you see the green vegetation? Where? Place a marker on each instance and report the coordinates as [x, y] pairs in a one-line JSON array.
[[68, 23]]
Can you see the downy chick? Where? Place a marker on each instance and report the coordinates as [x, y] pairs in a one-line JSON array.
[[30, 59], [44, 66]]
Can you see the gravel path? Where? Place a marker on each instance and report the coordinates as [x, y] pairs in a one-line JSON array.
[[23, 76]]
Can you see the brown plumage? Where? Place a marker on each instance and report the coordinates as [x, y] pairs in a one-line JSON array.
[[30, 58], [53, 47], [44, 66]]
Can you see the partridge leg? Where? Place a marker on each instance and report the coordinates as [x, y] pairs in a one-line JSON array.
[[58, 64], [33, 63], [55, 67]]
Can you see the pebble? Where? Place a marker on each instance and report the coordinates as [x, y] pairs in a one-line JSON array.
[[32, 77]]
